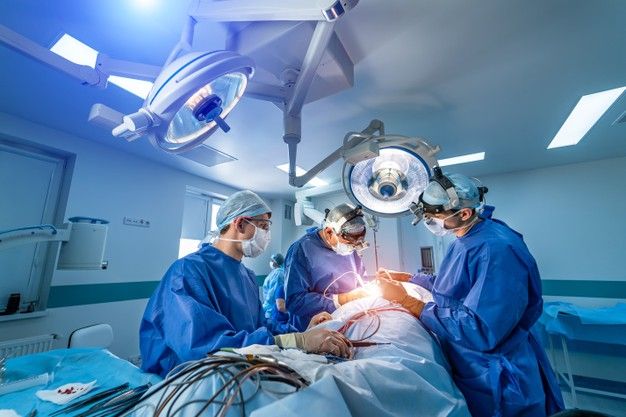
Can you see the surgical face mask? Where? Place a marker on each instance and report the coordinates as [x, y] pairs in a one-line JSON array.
[[343, 249], [254, 246], [437, 226]]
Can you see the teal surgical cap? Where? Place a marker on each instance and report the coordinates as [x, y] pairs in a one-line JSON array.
[[466, 189], [241, 204], [278, 258]]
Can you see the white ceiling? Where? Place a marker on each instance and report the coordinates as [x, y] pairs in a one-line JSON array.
[[486, 75]]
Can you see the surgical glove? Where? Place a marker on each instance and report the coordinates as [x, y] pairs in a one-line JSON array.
[[395, 291], [414, 305], [319, 318], [392, 275], [392, 290], [355, 294], [316, 341]]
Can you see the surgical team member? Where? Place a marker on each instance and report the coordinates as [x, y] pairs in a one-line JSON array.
[[274, 292], [321, 268], [487, 296], [209, 300]]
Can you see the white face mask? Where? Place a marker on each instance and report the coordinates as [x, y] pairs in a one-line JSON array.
[[254, 246], [343, 249], [437, 226]]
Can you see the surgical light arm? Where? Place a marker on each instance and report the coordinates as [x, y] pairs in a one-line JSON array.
[[97, 76], [357, 146]]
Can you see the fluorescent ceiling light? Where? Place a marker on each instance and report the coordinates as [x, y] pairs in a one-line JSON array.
[[74, 50], [587, 112], [77, 52], [316, 182], [462, 159], [140, 88]]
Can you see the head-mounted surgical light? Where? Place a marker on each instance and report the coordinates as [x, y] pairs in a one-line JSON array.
[[189, 100]]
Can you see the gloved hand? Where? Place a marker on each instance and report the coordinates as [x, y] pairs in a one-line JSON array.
[[392, 290], [316, 341], [392, 275], [326, 341], [355, 294], [319, 318], [395, 291]]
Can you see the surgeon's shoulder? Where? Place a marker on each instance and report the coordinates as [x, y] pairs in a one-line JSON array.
[[191, 267]]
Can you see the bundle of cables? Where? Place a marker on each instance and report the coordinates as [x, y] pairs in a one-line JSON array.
[[179, 391], [373, 314]]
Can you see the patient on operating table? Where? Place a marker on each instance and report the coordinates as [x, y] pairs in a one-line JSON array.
[[396, 369]]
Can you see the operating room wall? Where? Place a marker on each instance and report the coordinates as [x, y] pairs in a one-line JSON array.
[[111, 184], [571, 217]]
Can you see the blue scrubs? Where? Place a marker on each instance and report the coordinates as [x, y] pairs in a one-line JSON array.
[[206, 301], [310, 267], [274, 279], [278, 316], [487, 297]]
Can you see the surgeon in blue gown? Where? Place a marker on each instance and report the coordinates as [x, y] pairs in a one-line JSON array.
[[209, 300], [323, 268], [486, 299], [274, 280]]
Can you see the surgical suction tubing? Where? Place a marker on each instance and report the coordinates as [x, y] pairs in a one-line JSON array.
[[359, 281]]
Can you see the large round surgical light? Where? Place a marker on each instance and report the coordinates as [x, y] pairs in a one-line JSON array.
[[206, 109], [191, 98], [387, 184]]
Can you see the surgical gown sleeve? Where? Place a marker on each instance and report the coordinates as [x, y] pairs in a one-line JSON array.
[[301, 300], [423, 280], [194, 327], [493, 306]]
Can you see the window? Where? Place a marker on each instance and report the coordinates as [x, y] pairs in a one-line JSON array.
[[199, 218], [428, 264]]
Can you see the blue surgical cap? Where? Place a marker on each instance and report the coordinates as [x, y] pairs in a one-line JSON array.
[[241, 204], [465, 188]]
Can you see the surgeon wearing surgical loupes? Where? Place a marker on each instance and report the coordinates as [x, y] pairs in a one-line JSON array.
[[209, 300], [323, 269], [486, 298]]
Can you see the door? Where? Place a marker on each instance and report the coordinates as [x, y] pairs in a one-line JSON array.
[[30, 184]]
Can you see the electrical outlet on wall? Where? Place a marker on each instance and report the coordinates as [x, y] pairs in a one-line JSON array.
[[131, 221]]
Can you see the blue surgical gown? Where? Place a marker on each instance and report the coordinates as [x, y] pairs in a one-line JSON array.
[[487, 297], [206, 301], [273, 289], [310, 268], [273, 280], [278, 316]]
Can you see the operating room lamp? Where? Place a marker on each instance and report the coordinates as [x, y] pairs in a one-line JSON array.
[[194, 91], [382, 173]]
